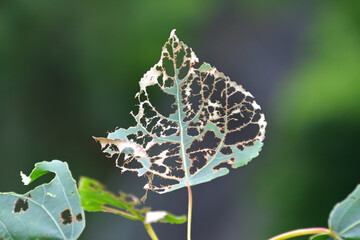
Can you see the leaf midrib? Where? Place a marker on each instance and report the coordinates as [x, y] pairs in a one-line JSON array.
[[182, 144]]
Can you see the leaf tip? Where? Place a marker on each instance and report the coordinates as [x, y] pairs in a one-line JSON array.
[[25, 179], [205, 67], [173, 34], [154, 216]]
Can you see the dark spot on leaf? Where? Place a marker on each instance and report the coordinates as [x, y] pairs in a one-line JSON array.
[[79, 217], [66, 217], [21, 205]]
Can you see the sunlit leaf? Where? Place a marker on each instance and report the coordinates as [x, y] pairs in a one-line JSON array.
[[95, 198], [50, 211], [205, 124]]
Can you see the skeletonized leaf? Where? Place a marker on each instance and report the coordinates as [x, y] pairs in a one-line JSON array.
[[95, 198], [50, 211], [205, 125]]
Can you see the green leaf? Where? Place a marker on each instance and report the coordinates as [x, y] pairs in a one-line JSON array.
[[204, 125], [50, 211], [344, 219], [95, 198]]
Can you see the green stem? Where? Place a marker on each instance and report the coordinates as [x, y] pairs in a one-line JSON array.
[[302, 232], [150, 231], [189, 213]]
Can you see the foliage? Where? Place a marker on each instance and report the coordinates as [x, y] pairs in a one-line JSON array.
[[204, 125], [344, 222], [344, 219], [50, 210], [95, 198], [207, 125]]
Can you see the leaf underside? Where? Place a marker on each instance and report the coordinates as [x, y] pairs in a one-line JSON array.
[[209, 124], [95, 198], [50, 211], [344, 219]]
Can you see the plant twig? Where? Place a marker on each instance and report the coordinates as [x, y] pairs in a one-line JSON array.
[[302, 232], [151, 231], [189, 213]]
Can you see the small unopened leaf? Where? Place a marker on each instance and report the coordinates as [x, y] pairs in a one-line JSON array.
[[204, 125], [50, 211], [95, 198]]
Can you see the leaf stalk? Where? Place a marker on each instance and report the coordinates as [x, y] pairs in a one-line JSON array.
[[151, 231], [189, 213], [302, 232]]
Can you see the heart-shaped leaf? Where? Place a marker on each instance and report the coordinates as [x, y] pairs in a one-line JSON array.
[[344, 219], [95, 198], [205, 125], [50, 211]]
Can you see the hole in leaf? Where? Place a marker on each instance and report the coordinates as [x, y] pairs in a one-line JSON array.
[[169, 49], [162, 182], [247, 133], [66, 217], [79, 217], [222, 165], [46, 178], [226, 150], [169, 67], [179, 57], [21, 205], [208, 141]]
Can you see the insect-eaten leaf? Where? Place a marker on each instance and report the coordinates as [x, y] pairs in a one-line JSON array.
[[50, 211], [205, 125], [95, 198]]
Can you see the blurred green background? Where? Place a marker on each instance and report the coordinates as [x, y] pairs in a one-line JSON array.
[[69, 70]]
